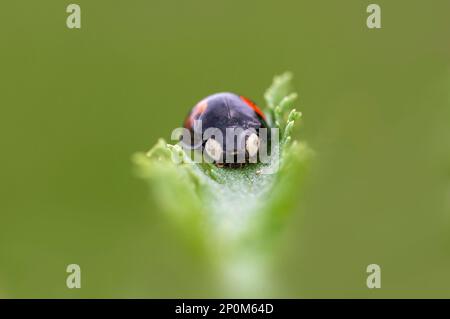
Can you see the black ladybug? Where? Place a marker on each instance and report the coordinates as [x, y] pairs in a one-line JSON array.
[[236, 118]]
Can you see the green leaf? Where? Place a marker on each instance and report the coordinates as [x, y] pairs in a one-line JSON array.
[[232, 215]]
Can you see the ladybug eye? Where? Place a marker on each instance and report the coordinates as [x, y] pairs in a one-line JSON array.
[[252, 145], [213, 149]]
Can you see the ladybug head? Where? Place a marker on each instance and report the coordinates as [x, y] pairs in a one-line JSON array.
[[236, 146]]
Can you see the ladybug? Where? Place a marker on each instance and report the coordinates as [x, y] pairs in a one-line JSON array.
[[225, 114]]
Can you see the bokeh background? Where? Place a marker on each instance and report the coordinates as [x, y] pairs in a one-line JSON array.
[[76, 104]]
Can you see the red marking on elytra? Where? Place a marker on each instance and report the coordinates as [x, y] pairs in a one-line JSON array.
[[198, 110], [253, 106]]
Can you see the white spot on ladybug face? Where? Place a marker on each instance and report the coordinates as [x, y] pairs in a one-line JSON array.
[[213, 149], [252, 145]]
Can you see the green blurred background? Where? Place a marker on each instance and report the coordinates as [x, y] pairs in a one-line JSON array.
[[76, 104]]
